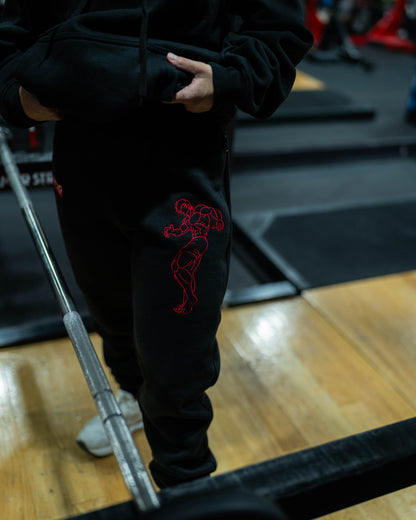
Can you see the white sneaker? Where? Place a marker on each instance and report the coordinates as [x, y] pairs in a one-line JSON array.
[[93, 437]]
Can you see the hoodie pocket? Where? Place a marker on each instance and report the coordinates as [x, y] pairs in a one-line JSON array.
[[92, 67], [163, 79], [86, 79], [96, 79]]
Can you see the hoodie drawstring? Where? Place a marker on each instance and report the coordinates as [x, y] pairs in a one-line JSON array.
[[143, 53], [84, 7]]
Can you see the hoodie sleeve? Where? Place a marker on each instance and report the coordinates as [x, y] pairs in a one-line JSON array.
[[258, 65], [15, 37]]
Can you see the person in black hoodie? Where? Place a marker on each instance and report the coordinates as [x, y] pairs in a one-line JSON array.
[[143, 93]]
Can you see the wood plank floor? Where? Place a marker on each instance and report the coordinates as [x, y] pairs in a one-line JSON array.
[[295, 373]]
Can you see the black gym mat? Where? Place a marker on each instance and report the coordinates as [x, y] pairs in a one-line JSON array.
[[310, 105], [329, 247]]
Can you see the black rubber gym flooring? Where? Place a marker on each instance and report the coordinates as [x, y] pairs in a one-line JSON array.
[[318, 199], [334, 222], [330, 200]]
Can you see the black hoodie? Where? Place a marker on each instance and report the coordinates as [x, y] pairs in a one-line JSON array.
[[99, 58]]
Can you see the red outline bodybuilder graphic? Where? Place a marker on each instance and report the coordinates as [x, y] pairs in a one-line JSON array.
[[198, 220]]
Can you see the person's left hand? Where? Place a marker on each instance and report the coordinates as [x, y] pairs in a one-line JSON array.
[[198, 96]]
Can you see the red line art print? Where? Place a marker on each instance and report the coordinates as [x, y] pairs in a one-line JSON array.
[[197, 221]]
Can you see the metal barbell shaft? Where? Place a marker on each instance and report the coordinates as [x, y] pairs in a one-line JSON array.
[[131, 466]]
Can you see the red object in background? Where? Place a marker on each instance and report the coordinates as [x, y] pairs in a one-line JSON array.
[[314, 24], [386, 30], [33, 137]]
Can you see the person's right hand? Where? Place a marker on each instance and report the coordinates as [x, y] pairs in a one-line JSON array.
[[35, 110]]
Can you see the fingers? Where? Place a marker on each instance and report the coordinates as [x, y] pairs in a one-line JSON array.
[[35, 110], [191, 66], [198, 96], [52, 115]]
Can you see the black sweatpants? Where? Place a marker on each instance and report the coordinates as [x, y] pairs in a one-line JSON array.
[[144, 212]]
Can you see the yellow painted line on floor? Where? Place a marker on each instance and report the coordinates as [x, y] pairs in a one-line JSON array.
[[306, 82]]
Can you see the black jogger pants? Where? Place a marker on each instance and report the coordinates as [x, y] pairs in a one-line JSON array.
[[144, 212]]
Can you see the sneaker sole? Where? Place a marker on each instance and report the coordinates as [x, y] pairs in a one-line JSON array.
[[104, 451]]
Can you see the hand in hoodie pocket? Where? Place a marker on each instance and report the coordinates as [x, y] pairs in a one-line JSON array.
[[35, 110], [198, 96]]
